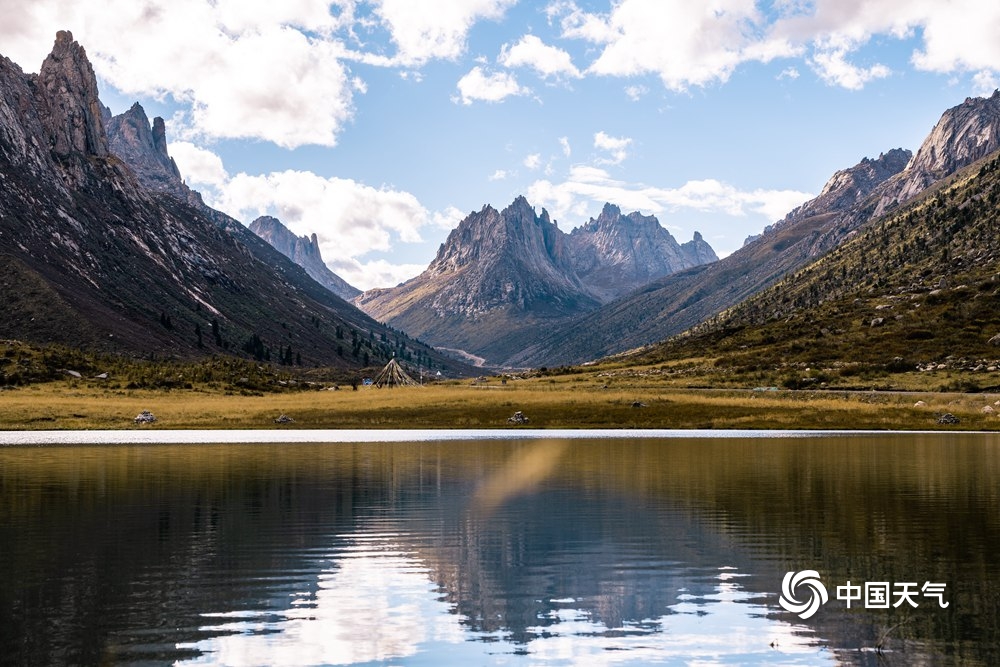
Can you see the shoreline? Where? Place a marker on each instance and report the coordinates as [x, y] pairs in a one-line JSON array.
[[66, 438]]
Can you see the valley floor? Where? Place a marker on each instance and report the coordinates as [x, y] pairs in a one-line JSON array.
[[579, 400]]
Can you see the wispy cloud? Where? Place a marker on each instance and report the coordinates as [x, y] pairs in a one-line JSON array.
[[615, 147], [587, 186]]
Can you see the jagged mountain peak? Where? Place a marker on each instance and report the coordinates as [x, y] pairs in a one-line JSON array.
[[304, 251], [848, 186], [69, 92], [965, 133], [144, 148], [968, 131], [502, 278], [520, 208], [615, 254], [489, 234], [610, 218]]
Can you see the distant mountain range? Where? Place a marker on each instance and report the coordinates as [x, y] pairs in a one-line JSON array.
[[104, 247], [503, 278], [851, 199]]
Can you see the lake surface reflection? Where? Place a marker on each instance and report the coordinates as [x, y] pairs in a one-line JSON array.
[[539, 551]]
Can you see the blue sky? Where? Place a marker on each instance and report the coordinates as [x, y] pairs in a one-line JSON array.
[[379, 125]]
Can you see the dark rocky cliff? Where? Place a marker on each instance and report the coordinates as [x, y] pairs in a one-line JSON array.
[[91, 256]]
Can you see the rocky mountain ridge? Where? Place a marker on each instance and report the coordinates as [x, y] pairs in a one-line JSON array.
[[615, 254], [93, 258], [912, 297], [850, 200], [965, 133], [503, 277], [305, 252], [144, 149]]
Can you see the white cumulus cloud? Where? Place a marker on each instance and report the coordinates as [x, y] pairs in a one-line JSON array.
[[245, 69], [350, 219], [198, 166], [429, 29], [833, 67], [545, 59], [586, 187], [477, 85], [690, 44], [567, 150], [684, 43]]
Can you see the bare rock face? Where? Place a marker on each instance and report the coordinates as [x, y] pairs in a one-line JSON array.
[[71, 108], [964, 134], [23, 139], [304, 251], [838, 209], [495, 259], [699, 251], [144, 149], [849, 186], [615, 254]]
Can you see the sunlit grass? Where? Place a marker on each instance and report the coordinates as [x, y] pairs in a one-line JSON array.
[[587, 400]]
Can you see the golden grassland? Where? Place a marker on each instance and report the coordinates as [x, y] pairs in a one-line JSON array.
[[584, 399]]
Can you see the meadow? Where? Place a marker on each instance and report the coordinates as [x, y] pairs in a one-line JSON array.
[[579, 400]]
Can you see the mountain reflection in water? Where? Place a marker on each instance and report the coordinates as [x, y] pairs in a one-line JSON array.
[[549, 552]]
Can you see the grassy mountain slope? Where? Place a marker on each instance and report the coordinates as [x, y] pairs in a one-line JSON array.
[[916, 292]]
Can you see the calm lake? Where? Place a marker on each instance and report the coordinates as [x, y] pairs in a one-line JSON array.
[[543, 550]]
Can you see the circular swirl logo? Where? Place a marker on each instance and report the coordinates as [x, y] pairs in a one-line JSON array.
[[817, 593]]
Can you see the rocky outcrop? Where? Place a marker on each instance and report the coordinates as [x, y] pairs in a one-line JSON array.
[[698, 251], [616, 254], [964, 134], [70, 107], [849, 186], [24, 141], [304, 251], [495, 259], [144, 149]]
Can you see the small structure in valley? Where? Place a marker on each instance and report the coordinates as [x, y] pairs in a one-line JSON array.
[[393, 375]]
